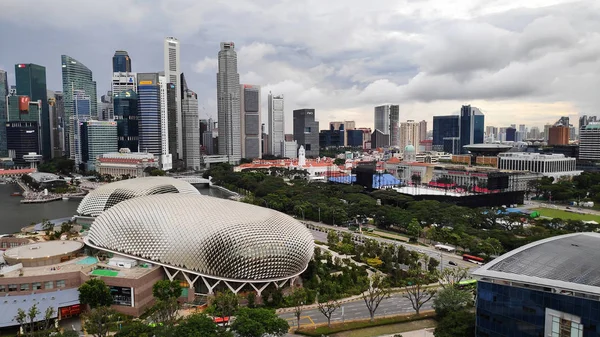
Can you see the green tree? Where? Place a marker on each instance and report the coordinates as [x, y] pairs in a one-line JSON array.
[[451, 276], [456, 323], [416, 292], [327, 308], [378, 290], [167, 294], [199, 325], [257, 322], [339, 161], [95, 293], [298, 299], [99, 321], [332, 238], [251, 298], [226, 304], [451, 299], [136, 329], [27, 320], [414, 229]]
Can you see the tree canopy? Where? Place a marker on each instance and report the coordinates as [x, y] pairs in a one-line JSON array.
[[95, 293]]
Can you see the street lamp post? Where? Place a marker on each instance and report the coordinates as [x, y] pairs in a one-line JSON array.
[[319, 214]]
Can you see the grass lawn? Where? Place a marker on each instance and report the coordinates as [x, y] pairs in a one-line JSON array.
[[557, 213], [389, 329]]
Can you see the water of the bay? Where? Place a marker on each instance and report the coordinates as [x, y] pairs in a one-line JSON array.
[[14, 215]]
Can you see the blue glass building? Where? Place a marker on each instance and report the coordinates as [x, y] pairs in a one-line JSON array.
[[444, 128], [121, 62], [127, 118], [547, 288], [149, 113], [355, 138], [471, 128], [511, 134]]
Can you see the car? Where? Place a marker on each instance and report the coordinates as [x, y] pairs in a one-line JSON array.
[[568, 207], [452, 263]]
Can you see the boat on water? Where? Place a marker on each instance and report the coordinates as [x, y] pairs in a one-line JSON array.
[[65, 198], [16, 194]]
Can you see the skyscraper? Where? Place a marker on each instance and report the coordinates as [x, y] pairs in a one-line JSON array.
[[228, 104], [172, 75], [250, 121], [127, 118], [387, 118], [409, 134], [31, 81], [76, 76], [422, 131], [3, 97], [121, 62], [82, 113], [446, 134], [191, 130], [471, 127], [23, 127], [166, 159], [276, 124], [306, 131], [149, 113], [97, 138], [172, 122]]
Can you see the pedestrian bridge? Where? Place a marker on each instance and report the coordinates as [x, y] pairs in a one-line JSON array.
[[194, 180]]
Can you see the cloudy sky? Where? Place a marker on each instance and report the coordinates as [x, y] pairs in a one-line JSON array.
[[520, 61]]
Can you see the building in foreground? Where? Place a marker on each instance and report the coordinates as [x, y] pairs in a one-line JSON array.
[[549, 287], [589, 142], [125, 162]]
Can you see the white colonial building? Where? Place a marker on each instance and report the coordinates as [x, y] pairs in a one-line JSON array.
[[549, 165]]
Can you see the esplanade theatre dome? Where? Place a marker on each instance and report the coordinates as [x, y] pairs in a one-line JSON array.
[[210, 237], [106, 196]]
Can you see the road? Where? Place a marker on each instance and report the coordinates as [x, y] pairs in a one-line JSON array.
[[394, 305], [443, 257]]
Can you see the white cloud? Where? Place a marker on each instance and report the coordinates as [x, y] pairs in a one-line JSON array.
[[208, 64]]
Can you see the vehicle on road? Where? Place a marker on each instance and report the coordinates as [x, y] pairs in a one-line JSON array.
[[467, 284], [473, 259], [452, 263]]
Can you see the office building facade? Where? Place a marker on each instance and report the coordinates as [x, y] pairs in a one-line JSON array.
[[22, 138], [121, 62], [3, 112], [173, 76], [549, 165], [558, 135], [76, 76], [354, 138], [445, 129], [98, 137], [422, 130], [149, 113], [127, 118], [589, 142], [387, 119], [471, 127], [228, 104], [306, 131], [191, 130], [511, 134], [166, 160], [31, 81], [250, 113], [82, 113], [276, 124], [172, 121]]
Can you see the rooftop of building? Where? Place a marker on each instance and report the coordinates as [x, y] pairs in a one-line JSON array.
[[568, 262], [44, 249], [42, 176], [534, 155], [593, 126]]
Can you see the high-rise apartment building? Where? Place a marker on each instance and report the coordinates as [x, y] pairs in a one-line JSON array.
[[276, 124], [589, 142], [76, 76], [558, 135], [422, 130], [534, 133], [173, 75], [3, 111], [306, 131], [471, 127], [191, 130], [149, 113], [97, 138], [127, 118], [228, 104], [31, 81], [387, 118], [250, 121], [410, 134], [121, 62]]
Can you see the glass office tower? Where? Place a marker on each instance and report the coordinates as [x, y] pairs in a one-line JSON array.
[[149, 113], [121, 62], [471, 127], [127, 118]]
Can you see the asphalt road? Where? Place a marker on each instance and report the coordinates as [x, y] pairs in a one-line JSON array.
[[444, 258], [394, 305]]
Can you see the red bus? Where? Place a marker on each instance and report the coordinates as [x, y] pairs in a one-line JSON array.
[[472, 258]]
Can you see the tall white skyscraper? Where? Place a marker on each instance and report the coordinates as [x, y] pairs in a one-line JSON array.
[[409, 134], [228, 104], [387, 118], [250, 121], [172, 75], [166, 159], [276, 124]]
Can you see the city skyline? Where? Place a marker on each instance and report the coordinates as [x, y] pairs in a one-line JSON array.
[[530, 65]]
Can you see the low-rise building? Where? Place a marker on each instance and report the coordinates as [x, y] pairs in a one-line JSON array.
[[124, 162], [549, 165]]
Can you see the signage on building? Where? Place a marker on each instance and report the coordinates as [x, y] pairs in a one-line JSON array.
[[24, 104], [146, 82]]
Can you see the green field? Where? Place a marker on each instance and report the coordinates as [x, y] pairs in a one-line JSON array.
[[557, 213]]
